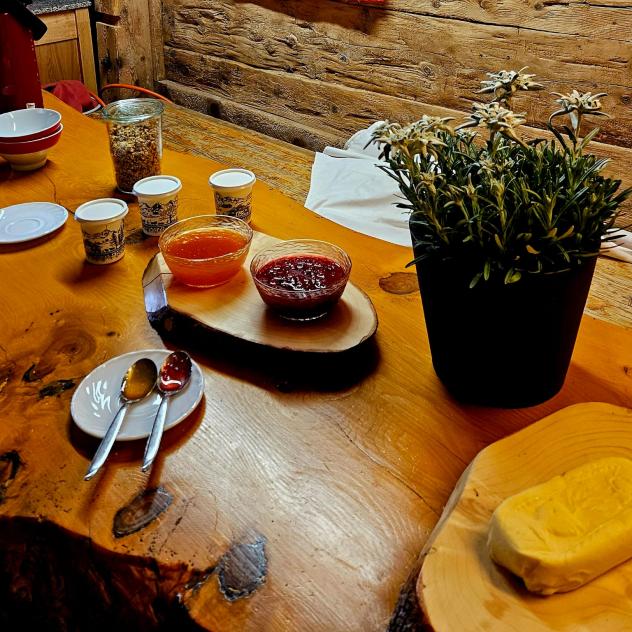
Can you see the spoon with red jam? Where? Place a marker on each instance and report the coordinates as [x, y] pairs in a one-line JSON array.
[[173, 376]]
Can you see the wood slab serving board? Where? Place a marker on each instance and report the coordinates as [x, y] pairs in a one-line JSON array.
[[461, 589], [236, 309]]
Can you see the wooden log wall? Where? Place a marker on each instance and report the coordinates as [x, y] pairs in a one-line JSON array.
[[129, 43], [314, 72]]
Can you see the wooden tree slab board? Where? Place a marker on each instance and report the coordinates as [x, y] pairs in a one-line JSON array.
[[236, 309], [460, 588]]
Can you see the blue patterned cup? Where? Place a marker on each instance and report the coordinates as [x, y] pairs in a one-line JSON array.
[[102, 225], [158, 202], [233, 192]]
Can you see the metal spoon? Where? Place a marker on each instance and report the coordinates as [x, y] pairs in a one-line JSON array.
[[137, 383], [174, 375]]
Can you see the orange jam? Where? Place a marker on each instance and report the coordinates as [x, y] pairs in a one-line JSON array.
[[207, 256]]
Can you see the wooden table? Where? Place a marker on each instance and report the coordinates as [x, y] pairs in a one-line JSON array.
[[301, 496]]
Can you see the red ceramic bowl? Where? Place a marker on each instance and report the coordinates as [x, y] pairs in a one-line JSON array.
[[28, 124], [31, 146]]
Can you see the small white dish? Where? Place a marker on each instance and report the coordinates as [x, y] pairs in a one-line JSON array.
[[96, 400], [23, 222]]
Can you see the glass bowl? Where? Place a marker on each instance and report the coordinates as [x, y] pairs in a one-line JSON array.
[[206, 250], [301, 279]]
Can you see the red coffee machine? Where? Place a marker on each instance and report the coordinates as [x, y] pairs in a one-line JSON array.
[[19, 76]]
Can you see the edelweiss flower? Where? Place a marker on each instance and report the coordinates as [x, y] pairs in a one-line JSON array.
[[584, 102], [420, 141], [414, 139], [496, 118], [505, 82], [390, 135], [387, 132], [427, 181], [576, 104], [433, 123]]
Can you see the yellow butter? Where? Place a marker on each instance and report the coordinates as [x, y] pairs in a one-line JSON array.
[[561, 534]]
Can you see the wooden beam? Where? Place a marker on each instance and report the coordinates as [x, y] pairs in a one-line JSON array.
[[86, 51], [265, 122], [396, 53], [125, 43]]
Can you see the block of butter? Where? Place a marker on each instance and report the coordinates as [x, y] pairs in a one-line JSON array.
[[561, 534]]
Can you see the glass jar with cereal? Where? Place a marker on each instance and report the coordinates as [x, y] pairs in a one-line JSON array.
[[135, 131]]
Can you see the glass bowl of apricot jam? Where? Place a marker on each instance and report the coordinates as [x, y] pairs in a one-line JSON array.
[[206, 250], [301, 279]]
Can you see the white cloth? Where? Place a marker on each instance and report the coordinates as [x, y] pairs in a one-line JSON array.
[[348, 188], [619, 248]]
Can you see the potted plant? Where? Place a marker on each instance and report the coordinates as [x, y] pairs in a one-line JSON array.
[[505, 234]]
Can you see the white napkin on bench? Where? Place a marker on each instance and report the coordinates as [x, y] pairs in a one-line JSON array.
[[348, 188], [620, 248]]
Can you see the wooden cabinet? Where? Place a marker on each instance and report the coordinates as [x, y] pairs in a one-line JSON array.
[[66, 51]]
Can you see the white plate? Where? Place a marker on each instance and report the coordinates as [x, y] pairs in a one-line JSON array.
[[23, 222], [96, 399]]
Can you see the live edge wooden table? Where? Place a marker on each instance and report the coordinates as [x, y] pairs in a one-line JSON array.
[[298, 495]]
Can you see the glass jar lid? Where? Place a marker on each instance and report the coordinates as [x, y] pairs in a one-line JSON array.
[[133, 110]]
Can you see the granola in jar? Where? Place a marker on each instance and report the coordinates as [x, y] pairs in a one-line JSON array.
[[134, 127]]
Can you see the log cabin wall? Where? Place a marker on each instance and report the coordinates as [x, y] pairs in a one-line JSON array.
[[313, 72], [129, 43]]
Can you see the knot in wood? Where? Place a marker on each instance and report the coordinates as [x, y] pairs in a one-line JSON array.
[[143, 509], [242, 569], [399, 283], [10, 463]]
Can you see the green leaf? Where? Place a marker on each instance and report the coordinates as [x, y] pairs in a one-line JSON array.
[[475, 279], [512, 276]]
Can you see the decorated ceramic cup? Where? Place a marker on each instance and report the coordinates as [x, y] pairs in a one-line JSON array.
[[102, 225], [233, 192], [158, 202]]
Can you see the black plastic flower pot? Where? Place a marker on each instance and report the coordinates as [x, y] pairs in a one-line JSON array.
[[502, 345]]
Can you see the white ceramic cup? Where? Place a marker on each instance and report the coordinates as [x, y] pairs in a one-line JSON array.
[[233, 192], [158, 202], [102, 225]]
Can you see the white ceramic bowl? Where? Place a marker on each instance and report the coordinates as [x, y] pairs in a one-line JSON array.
[[29, 155], [29, 124]]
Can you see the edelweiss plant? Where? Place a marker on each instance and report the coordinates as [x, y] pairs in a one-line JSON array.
[[505, 207]]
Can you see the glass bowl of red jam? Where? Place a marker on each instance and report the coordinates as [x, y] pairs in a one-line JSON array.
[[207, 250], [301, 279]]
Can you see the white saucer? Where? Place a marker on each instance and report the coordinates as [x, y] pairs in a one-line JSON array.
[[96, 400], [23, 222]]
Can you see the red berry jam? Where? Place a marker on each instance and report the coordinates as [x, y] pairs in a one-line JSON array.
[[301, 286]]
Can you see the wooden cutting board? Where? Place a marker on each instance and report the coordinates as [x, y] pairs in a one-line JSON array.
[[236, 309], [461, 589]]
